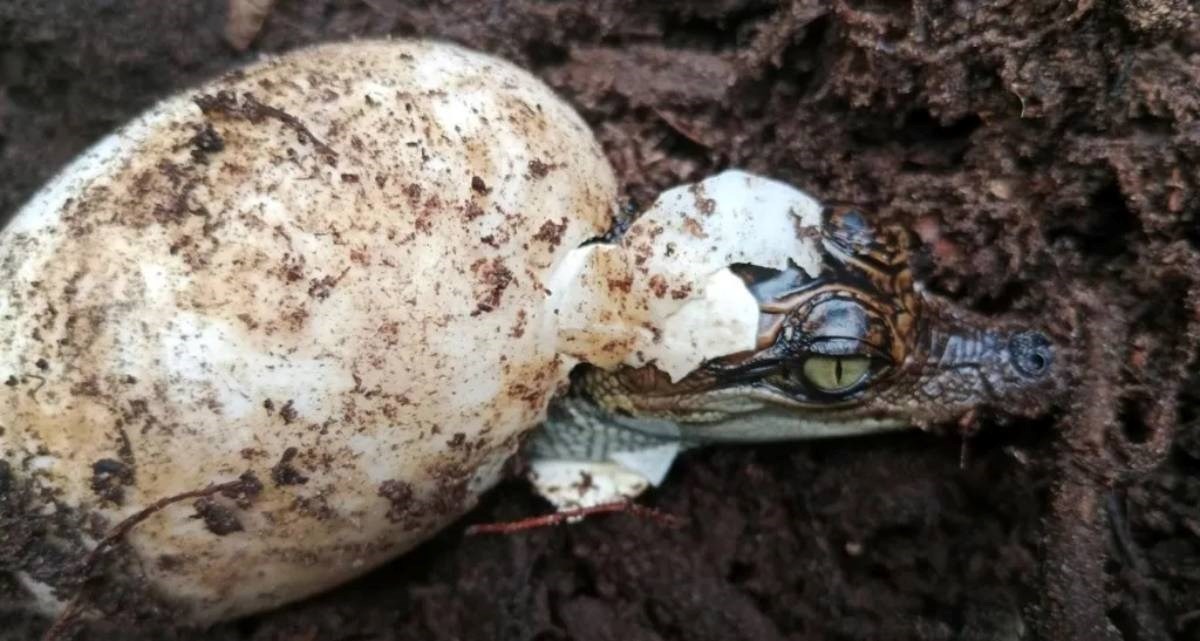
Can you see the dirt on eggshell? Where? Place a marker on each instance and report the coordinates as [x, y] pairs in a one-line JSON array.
[[1045, 157]]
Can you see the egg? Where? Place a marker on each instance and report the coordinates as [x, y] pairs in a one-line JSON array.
[[326, 274]]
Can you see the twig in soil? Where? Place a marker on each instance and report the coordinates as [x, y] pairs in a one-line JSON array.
[[226, 103], [246, 486], [244, 20], [778, 32], [558, 518], [1123, 534], [681, 129], [1076, 532], [1149, 619]]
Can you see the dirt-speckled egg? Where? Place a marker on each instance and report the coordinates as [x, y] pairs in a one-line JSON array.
[[325, 273]]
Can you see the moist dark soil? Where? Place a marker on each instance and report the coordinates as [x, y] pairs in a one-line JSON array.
[[1044, 154]]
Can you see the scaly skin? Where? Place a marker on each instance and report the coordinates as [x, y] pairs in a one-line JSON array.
[[929, 362]]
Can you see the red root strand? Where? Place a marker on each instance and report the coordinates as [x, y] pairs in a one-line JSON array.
[[245, 487], [558, 518]]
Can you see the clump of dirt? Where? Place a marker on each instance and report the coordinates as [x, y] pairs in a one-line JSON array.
[[1045, 155]]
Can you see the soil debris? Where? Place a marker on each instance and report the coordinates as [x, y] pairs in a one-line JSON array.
[[285, 472], [219, 519], [226, 104], [109, 478]]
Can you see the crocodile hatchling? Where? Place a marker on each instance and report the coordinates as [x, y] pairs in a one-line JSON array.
[[852, 348]]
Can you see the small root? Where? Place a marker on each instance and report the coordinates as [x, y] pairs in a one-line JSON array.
[[225, 103], [558, 518], [244, 488], [679, 127]]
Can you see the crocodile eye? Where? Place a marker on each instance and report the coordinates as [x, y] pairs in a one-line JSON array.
[[833, 374]]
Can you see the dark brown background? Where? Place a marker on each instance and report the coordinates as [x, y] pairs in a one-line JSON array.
[[1044, 153]]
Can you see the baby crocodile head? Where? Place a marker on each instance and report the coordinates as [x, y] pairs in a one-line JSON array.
[[859, 348]]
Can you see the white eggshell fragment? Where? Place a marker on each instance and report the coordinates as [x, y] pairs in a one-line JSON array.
[[595, 310], [666, 295], [573, 485], [328, 269]]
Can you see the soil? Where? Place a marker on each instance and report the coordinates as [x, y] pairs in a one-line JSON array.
[[1045, 155]]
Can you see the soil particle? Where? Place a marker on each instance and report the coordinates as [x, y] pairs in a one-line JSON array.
[[621, 284], [292, 268], [400, 495], [413, 191], [284, 472], [471, 210], [518, 330], [245, 490], [539, 169], [288, 412], [320, 288], [493, 278], [693, 227], [206, 141], [109, 479], [659, 285], [218, 519], [551, 232]]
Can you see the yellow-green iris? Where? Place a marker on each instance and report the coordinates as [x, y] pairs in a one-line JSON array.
[[835, 373]]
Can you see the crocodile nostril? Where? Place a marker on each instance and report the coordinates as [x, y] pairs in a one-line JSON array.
[[1031, 352]]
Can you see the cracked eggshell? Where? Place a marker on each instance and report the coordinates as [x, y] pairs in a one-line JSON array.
[[666, 296], [574, 485], [327, 269]]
